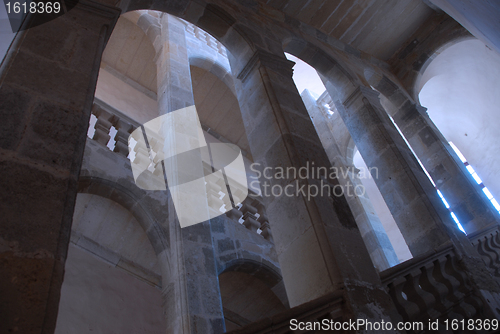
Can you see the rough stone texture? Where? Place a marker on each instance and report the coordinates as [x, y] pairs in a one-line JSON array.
[[56, 64], [312, 234], [60, 76], [379, 147]]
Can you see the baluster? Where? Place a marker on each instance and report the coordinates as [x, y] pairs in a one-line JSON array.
[[102, 126], [437, 289], [197, 32], [408, 309], [208, 40], [424, 300], [92, 122], [220, 48], [264, 222], [249, 218], [156, 150], [123, 132], [190, 29], [451, 283], [486, 255], [471, 304], [238, 194], [490, 247], [234, 214], [141, 159], [266, 229], [214, 188]]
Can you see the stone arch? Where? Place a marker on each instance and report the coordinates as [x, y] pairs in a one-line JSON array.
[[350, 151], [149, 24], [120, 194], [418, 83], [255, 274], [268, 273], [151, 27], [425, 57], [215, 67], [210, 17]]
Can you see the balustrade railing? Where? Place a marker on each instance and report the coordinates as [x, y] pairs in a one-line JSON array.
[[433, 287], [108, 120], [251, 213], [487, 244], [206, 38]]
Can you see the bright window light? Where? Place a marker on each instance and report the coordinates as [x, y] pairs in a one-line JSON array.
[[443, 199], [476, 177], [460, 155], [306, 77], [458, 223], [495, 204], [430, 178], [478, 180], [488, 194]]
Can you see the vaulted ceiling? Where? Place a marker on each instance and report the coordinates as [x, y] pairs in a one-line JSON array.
[[377, 27]]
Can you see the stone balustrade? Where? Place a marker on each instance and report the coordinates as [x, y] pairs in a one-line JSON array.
[[108, 118], [251, 213], [206, 38], [432, 286], [487, 244]]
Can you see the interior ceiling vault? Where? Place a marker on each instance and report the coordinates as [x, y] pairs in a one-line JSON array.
[[377, 27]]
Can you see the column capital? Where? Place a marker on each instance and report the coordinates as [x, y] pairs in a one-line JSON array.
[[266, 59], [365, 94]]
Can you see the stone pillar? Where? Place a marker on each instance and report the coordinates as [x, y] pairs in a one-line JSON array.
[[374, 235], [319, 246], [403, 184], [424, 222], [191, 287], [465, 197], [46, 92]]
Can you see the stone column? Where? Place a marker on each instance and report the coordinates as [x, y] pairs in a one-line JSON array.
[[191, 286], [319, 246], [46, 91], [403, 184], [424, 222], [465, 197], [374, 235]]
